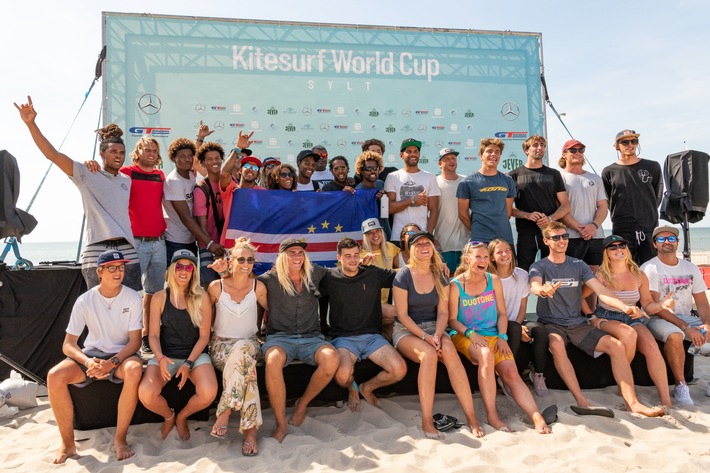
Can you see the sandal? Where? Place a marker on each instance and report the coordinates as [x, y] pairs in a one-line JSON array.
[[249, 449], [215, 432]]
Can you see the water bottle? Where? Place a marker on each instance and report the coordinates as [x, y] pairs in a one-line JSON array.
[[384, 206], [694, 349]]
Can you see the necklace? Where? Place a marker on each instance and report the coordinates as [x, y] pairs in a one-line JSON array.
[[109, 300]]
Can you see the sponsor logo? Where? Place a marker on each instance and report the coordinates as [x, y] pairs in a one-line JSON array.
[[468, 113], [289, 110], [374, 113], [424, 160], [340, 110], [454, 143], [437, 127], [514, 135], [236, 108], [437, 112], [149, 104], [255, 109], [308, 144], [341, 143], [290, 128], [422, 128], [357, 127], [307, 126], [307, 110], [390, 113], [407, 128], [357, 111], [406, 112], [356, 143], [218, 107], [340, 127], [218, 125], [200, 108], [272, 111], [421, 112], [149, 131], [469, 158], [323, 110], [324, 127], [510, 111], [390, 129], [236, 125], [452, 112]]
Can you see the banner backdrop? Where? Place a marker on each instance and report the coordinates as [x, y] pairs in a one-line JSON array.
[[299, 85]]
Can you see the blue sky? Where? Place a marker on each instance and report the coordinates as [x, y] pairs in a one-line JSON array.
[[609, 66]]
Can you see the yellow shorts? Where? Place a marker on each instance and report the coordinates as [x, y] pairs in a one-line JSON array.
[[462, 344]]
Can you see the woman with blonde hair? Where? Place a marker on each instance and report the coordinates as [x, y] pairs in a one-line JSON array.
[[420, 298], [477, 315], [179, 333], [234, 347], [622, 275], [516, 289]]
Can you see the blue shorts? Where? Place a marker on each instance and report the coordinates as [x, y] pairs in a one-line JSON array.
[[296, 347], [177, 362], [152, 259], [362, 346], [104, 356], [603, 313]]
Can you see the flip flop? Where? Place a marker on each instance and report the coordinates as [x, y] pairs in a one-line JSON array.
[[444, 422], [249, 449], [592, 411], [214, 433], [549, 414]]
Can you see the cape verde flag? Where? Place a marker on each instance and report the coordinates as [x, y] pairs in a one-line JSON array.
[[321, 219]]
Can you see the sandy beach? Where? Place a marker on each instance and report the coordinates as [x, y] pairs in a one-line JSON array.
[[389, 439]]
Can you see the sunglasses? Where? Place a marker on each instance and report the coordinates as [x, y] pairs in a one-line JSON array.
[[634, 141], [669, 239], [410, 232], [184, 267], [474, 243], [618, 246], [286, 174], [371, 168], [251, 166], [576, 150], [114, 268], [242, 260], [270, 165], [564, 236], [323, 155]]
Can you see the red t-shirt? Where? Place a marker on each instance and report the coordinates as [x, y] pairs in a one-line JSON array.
[[145, 203], [227, 208]]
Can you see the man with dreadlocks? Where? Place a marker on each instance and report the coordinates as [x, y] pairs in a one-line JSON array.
[[104, 195]]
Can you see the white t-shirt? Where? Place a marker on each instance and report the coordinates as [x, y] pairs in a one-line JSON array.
[[515, 287], [305, 187], [684, 279], [322, 177], [406, 185], [177, 188], [108, 328], [584, 191], [449, 231]]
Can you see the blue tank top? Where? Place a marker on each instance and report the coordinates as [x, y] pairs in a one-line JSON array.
[[479, 312]]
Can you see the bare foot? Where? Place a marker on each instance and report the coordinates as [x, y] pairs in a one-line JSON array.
[[430, 431], [540, 425], [65, 453], [299, 415], [368, 395], [279, 433], [498, 424], [474, 426], [182, 428], [353, 398], [167, 426], [122, 451], [639, 408]]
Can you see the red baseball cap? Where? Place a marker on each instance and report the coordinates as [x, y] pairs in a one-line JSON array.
[[572, 144], [251, 159]]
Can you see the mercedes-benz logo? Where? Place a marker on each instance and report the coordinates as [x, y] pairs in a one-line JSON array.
[[149, 104], [341, 143], [307, 110], [218, 125], [510, 111], [406, 112], [422, 128], [324, 127], [200, 108]]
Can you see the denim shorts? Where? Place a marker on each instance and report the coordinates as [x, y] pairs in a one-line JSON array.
[[296, 347], [603, 313], [400, 330], [152, 259], [177, 362], [362, 346], [207, 275]]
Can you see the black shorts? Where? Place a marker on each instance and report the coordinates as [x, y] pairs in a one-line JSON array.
[[589, 251]]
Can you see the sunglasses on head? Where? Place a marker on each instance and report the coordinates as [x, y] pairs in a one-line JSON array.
[[286, 174], [618, 246], [251, 166], [184, 267], [633, 141], [242, 260], [474, 243], [576, 150], [564, 236], [114, 268], [669, 239]]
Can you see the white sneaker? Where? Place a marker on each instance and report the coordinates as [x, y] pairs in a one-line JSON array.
[[707, 390], [539, 385], [681, 395], [704, 350]]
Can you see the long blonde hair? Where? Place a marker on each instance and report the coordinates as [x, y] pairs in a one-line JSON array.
[[281, 266], [193, 294], [241, 243], [383, 246], [434, 267], [606, 274]]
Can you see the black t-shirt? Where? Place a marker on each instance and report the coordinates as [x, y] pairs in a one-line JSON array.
[[537, 192], [635, 192], [332, 186], [355, 307]]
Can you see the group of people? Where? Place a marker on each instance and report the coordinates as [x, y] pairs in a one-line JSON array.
[[390, 298]]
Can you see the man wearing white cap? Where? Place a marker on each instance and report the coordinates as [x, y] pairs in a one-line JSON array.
[[669, 274], [635, 188], [450, 231]]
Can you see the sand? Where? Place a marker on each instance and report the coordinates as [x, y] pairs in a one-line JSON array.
[[389, 439]]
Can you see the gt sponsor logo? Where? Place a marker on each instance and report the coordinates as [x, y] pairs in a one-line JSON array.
[[511, 134], [218, 107], [152, 131]]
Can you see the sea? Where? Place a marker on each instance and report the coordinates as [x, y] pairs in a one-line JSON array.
[[41, 252]]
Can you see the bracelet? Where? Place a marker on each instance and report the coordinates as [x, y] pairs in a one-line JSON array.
[[161, 359], [595, 225], [601, 323], [236, 150], [86, 363], [209, 244], [424, 336], [199, 139], [223, 273], [468, 333], [503, 336], [412, 200], [686, 328]]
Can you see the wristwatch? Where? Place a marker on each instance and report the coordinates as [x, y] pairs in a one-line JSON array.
[[116, 361], [189, 364]]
